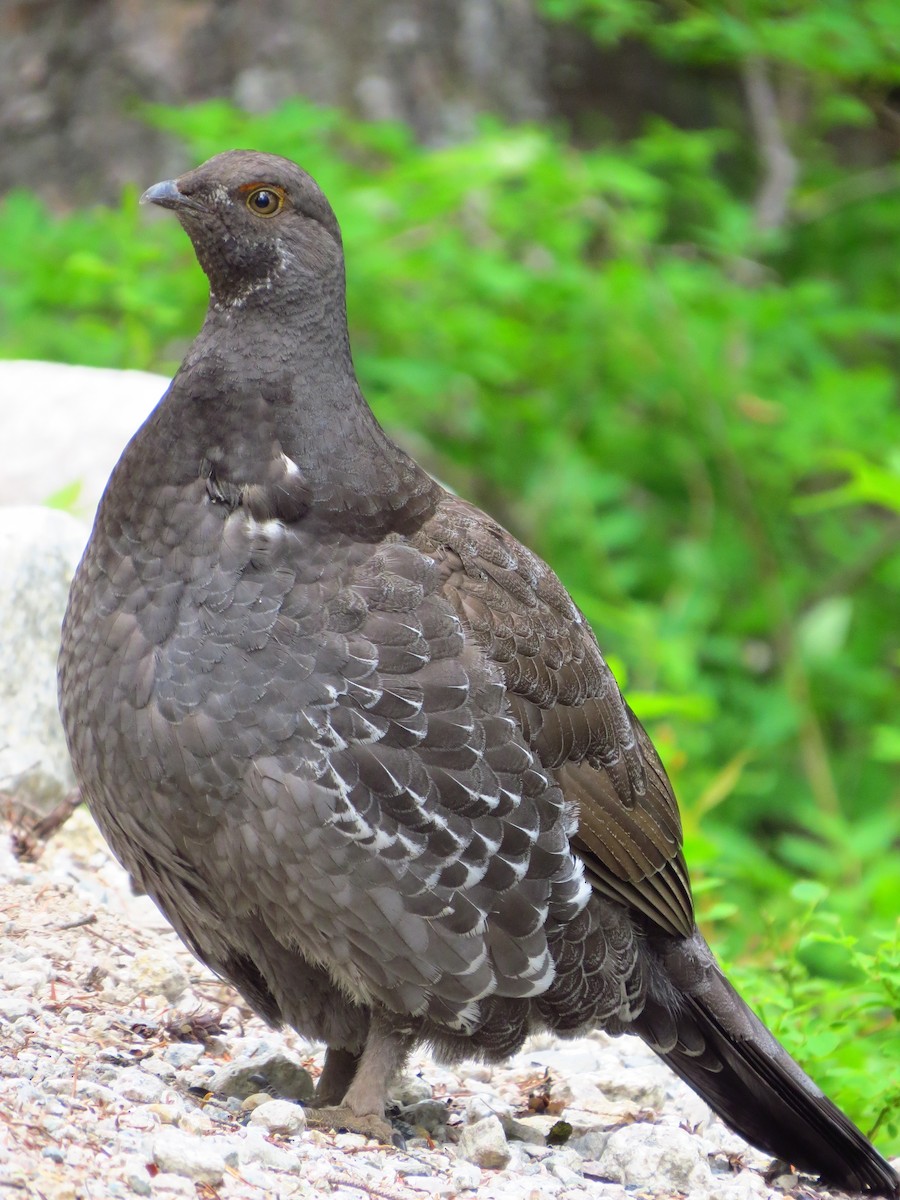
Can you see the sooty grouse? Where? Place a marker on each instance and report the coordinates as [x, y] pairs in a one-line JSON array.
[[357, 742]]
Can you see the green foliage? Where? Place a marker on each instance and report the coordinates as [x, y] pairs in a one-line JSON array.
[[694, 419], [836, 1005], [79, 288], [838, 41]]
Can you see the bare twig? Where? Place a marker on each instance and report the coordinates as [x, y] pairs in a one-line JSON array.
[[779, 164], [853, 190], [30, 835], [76, 923], [343, 1181]]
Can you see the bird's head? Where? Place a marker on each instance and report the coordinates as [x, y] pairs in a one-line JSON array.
[[258, 223]]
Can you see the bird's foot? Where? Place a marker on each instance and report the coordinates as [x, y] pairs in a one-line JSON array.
[[341, 1118]]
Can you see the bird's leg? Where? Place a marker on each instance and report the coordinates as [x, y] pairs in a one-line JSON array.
[[384, 1054], [337, 1075], [362, 1109]]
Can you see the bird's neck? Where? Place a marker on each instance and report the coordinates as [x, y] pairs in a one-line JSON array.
[[261, 384]]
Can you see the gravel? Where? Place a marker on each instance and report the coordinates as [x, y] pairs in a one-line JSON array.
[[126, 1069]]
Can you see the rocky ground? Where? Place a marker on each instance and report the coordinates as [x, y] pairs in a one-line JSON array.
[[126, 1069]]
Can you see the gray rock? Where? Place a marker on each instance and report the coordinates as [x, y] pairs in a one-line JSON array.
[[411, 1089], [662, 1157], [279, 1116], [265, 1068], [484, 1144], [532, 1129], [428, 1115], [591, 1143], [138, 1180], [39, 550]]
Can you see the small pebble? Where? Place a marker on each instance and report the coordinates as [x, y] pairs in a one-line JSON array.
[[279, 1116], [156, 972]]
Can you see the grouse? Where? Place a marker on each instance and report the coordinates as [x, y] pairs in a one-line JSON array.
[[358, 743]]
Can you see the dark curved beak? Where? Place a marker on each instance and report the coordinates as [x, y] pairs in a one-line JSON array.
[[167, 195]]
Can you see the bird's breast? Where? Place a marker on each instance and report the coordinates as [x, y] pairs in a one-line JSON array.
[[217, 634]]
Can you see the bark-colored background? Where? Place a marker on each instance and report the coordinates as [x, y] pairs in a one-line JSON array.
[[74, 73]]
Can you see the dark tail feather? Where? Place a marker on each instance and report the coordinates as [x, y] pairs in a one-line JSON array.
[[720, 1048]]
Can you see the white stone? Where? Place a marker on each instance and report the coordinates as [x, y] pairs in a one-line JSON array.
[[156, 973], [166, 1114], [39, 549], [465, 1176], [746, 1186], [480, 1106], [565, 1164], [134, 1084], [484, 1144], [13, 1008], [178, 1153], [432, 1185], [255, 1148], [279, 1116], [183, 1054], [657, 1156], [61, 425], [168, 1185]]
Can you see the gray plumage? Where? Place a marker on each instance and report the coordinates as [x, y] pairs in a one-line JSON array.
[[357, 742]]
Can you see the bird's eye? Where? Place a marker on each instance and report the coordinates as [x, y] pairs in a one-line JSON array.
[[265, 201]]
